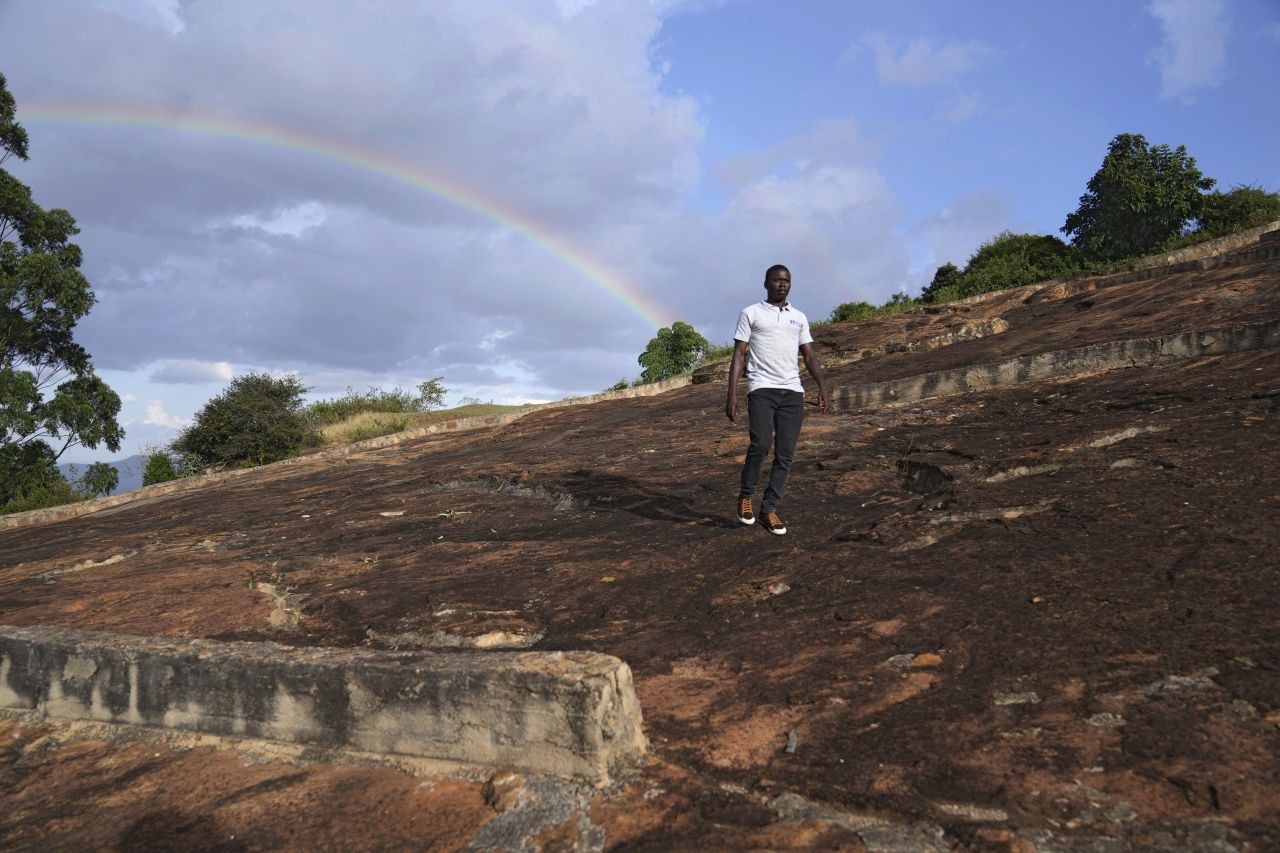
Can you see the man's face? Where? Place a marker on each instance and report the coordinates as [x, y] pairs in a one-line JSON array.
[[778, 285]]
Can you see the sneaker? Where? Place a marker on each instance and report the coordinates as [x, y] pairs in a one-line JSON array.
[[745, 514], [773, 524]]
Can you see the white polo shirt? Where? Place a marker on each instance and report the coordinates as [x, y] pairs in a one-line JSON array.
[[776, 335]]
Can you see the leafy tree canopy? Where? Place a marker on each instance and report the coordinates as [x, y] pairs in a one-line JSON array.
[[257, 419], [98, 479], [1142, 197], [674, 350], [159, 468], [50, 398], [1239, 208], [431, 394], [945, 276], [1006, 260]]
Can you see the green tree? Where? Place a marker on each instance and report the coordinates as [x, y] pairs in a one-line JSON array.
[[1012, 260], [1142, 197], [98, 479], [159, 468], [49, 395], [945, 276], [848, 311], [1240, 207], [674, 350], [431, 394], [257, 419]]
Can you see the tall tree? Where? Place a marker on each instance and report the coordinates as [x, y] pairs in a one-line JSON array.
[[1139, 199], [50, 398], [675, 349]]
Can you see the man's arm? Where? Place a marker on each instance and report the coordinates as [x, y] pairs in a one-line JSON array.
[[735, 373], [815, 370]]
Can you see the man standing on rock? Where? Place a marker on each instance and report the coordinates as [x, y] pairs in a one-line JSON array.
[[776, 331]]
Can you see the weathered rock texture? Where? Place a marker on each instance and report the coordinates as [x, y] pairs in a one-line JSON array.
[[1096, 358], [186, 484], [1036, 617], [567, 714]]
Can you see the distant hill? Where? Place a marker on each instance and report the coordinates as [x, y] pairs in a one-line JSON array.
[[129, 469]]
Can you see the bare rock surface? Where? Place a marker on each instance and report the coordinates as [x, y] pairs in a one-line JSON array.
[[1039, 617]]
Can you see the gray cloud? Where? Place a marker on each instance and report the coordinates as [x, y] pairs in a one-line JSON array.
[[322, 256]]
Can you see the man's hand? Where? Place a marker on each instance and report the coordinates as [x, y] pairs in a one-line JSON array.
[[735, 373], [815, 370]]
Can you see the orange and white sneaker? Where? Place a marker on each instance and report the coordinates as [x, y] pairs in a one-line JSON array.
[[773, 524], [745, 513]]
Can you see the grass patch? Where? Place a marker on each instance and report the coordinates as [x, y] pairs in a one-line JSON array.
[[365, 425]]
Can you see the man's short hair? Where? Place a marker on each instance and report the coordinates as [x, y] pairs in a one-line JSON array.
[[768, 274]]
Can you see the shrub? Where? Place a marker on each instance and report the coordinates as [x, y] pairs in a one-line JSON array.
[[97, 480], [30, 479], [716, 352], [55, 493], [944, 277], [1006, 260], [430, 395], [1239, 208], [159, 468], [257, 419], [848, 311], [620, 385]]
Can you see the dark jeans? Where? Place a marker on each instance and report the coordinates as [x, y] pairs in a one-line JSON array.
[[774, 416]]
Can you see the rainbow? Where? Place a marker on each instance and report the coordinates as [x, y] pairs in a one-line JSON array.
[[608, 280]]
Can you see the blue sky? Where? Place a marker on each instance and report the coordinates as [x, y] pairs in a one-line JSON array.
[[681, 147]]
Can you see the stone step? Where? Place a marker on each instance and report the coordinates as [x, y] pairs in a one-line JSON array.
[[571, 715], [1140, 352]]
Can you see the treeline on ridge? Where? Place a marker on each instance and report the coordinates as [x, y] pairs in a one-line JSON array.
[[1144, 199]]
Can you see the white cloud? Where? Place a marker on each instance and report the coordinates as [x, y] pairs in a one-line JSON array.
[[922, 61], [157, 416], [289, 221], [182, 371], [1193, 53], [128, 398], [490, 340], [824, 191], [961, 108]]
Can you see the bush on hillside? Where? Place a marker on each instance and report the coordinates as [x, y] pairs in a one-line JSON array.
[[848, 311], [945, 276], [430, 395], [1006, 260], [97, 480], [159, 468], [30, 479], [257, 419], [1239, 208]]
